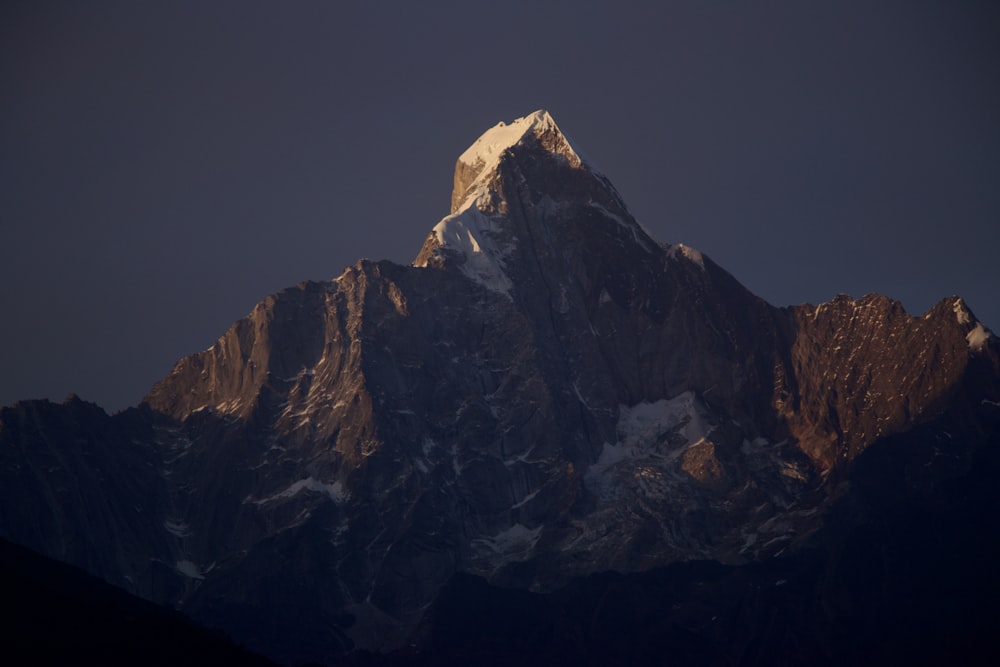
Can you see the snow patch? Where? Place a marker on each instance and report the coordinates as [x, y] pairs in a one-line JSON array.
[[473, 235], [516, 539], [644, 422], [640, 429], [423, 462], [564, 306], [793, 471], [333, 491], [961, 314], [579, 396], [230, 407], [977, 337], [189, 569], [524, 501], [756, 445], [690, 254], [456, 468], [177, 528]]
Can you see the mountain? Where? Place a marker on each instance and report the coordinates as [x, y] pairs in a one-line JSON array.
[[545, 396]]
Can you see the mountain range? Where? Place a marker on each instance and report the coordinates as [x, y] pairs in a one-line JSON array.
[[551, 438]]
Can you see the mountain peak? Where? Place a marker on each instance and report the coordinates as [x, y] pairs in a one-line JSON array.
[[513, 181], [553, 397], [483, 157]]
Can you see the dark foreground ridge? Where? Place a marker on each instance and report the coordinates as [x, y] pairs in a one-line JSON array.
[[56, 614], [553, 414]]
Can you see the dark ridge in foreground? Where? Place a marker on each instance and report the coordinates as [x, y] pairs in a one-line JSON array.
[[56, 614]]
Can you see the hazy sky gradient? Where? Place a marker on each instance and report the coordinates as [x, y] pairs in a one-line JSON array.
[[164, 167]]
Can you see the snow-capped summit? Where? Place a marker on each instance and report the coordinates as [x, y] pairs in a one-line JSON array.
[[511, 182], [483, 156]]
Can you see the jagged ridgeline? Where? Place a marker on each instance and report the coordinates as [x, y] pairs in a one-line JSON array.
[[545, 396]]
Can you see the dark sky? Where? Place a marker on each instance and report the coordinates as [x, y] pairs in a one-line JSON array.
[[165, 166]]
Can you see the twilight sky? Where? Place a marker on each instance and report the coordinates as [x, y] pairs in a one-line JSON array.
[[163, 167]]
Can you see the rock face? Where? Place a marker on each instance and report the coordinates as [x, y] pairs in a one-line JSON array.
[[547, 393]]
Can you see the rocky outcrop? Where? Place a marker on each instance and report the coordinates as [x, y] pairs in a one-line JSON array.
[[858, 370], [545, 394]]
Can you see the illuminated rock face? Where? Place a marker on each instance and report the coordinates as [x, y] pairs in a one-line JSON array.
[[547, 393]]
